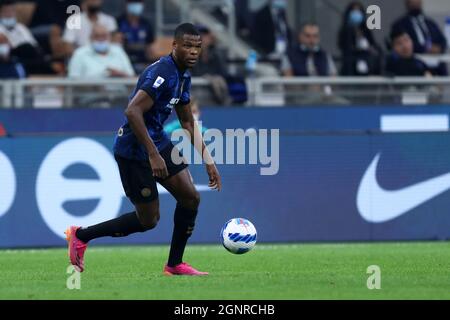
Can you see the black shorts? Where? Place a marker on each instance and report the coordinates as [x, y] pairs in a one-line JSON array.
[[137, 176]]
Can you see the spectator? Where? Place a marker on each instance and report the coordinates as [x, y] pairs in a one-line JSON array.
[[23, 45], [48, 23], [17, 33], [269, 30], [401, 62], [361, 55], [100, 58], [212, 66], [9, 69], [425, 33], [308, 58], [138, 34], [91, 15]]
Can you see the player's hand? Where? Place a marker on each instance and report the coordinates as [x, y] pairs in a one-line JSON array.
[[158, 166], [215, 182]]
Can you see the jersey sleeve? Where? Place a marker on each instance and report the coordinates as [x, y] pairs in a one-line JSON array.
[[156, 81], [186, 94]]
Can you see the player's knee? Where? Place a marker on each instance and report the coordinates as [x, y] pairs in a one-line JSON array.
[[151, 223], [191, 202], [196, 199], [149, 220]]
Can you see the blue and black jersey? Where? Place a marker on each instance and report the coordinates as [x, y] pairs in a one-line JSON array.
[[168, 86]]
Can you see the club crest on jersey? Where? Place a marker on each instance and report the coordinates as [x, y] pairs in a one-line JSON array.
[[158, 82]]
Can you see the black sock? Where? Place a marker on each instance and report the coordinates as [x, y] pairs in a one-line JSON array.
[[118, 227], [184, 222]]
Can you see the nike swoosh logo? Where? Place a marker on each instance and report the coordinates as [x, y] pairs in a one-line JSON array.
[[378, 205]]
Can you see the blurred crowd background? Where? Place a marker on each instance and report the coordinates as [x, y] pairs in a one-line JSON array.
[[242, 39]]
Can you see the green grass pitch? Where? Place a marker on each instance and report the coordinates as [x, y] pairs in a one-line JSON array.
[[291, 271]]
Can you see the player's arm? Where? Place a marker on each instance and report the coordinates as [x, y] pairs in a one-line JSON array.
[[188, 123], [140, 104]]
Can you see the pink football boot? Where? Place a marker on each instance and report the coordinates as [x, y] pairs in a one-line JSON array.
[[76, 248], [183, 269]]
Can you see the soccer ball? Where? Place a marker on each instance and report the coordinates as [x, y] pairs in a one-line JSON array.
[[238, 235]]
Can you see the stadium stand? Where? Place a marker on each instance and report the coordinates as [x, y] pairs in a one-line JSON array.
[[355, 50]]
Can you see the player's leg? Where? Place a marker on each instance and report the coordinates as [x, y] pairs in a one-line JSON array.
[[188, 200], [140, 186], [145, 218]]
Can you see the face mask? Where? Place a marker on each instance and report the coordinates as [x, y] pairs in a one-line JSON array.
[[356, 17], [314, 49], [135, 8], [93, 9], [415, 12], [8, 22], [101, 46], [4, 50]]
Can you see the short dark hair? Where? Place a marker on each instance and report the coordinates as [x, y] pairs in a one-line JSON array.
[[185, 28], [397, 33], [4, 3]]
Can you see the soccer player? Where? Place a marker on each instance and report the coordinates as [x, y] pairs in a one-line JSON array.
[[145, 156]]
